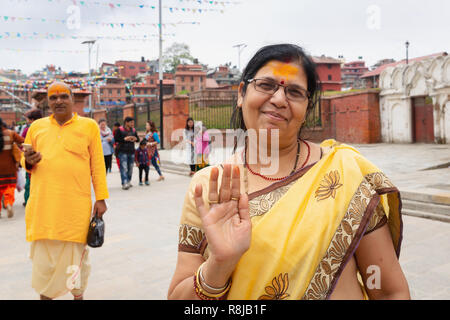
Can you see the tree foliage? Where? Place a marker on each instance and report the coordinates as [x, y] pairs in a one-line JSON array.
[[177, 53]]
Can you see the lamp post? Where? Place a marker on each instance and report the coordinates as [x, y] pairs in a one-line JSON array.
[[407, 45], [90, 44], [240, 48], [161, 75]]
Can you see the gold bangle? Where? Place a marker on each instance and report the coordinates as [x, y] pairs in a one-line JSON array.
[[205, 292], [206, 286]]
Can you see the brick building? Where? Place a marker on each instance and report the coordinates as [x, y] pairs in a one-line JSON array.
[[329, 71], [112, 93], [351, 72], [225, 76], [189, 78], [130, 69]]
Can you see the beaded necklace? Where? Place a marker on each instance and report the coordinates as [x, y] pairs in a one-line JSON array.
[[246, 165]]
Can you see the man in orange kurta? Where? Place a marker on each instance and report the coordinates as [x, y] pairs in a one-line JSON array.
[[66, 156]]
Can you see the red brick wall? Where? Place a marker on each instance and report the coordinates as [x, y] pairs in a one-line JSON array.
[[350, 118], [324, 70], [176, 111], [9, 117]]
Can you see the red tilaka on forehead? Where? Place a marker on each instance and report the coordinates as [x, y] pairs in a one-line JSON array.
[[282, 81]]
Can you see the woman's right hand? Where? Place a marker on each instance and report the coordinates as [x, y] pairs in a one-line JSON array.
[[226, 224]]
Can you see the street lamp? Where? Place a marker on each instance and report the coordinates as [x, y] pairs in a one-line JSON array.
[[240, 48], [89, 43], [407, 45]]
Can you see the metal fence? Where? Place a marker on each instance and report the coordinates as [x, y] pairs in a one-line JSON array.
[[113, 115], [213, 107], [143, 112]]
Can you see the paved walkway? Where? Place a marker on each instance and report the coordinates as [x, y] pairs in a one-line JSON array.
[[139, 254]]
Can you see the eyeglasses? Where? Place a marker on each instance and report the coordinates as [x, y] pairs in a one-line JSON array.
[[292, 93]]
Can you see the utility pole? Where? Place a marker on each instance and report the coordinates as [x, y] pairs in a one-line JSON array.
[[407, 45], [89, 43], [161, 114], [240, 48]]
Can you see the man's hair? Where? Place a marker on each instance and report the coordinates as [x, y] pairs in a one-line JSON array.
[[117, 124], [128, 119], [34, 114], [101, 120], [143, 142]]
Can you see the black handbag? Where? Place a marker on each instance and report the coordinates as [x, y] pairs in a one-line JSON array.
[[96, 233]]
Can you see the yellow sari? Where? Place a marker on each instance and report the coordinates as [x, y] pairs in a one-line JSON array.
[[305, 229]]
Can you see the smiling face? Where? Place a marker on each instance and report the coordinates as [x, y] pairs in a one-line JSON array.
[[275, 111], [60, 100]]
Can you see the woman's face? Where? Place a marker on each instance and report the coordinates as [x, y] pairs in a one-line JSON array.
[[147, 126], [103, 125], [190, 124], [274, 111]]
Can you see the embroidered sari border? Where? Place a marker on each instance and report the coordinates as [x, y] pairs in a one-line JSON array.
[[370, 209]]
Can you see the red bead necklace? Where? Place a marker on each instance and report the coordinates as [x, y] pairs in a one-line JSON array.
[[282, 178]]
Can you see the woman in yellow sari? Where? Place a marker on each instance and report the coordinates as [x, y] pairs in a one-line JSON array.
[[314, 222]]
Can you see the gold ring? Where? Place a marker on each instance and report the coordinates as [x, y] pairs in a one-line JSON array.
[[213, 201], [234, 198]]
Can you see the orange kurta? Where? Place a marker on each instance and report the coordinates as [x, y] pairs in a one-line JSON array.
[[60, 203]]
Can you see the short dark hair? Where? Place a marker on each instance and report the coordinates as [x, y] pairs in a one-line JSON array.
[[117, 124], [33, 114], [143, 142], [101, 120], [285, 53], [128, 119]]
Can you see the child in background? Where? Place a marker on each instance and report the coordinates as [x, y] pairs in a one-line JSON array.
[[141, 157]]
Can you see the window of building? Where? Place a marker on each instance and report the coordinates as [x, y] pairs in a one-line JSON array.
[[329, 66], [118, 91], [183, 88], [151, 81], [192, 88], [182, 79], [132, 67], [329, 77], [192, 79], [110, 91]]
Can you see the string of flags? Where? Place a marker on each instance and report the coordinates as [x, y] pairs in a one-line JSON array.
[[98, 23], [114, 5], [58, 36]]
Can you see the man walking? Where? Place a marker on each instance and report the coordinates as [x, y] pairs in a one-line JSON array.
[[66, 155], [126, 137]]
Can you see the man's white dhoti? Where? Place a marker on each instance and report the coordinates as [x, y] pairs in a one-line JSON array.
[[59, 267]]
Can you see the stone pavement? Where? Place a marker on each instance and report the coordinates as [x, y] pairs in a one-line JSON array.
[[138, 257]]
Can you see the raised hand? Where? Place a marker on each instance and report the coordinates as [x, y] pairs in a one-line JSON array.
[[226, 222]]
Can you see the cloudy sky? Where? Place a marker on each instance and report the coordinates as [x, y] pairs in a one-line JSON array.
[[373, 29]]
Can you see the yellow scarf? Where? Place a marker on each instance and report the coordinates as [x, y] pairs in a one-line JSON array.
[[299, 244]]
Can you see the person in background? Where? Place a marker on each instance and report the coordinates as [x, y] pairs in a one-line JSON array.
[[8, 167], [30, 117], [142, 161], [66, 162], [116, 154], [188, 135], [151, 135], [126, 136], [107, 139], [202, 148]]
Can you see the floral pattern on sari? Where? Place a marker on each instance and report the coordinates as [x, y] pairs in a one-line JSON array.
[[328, 186], [278, 288], [325, 274]]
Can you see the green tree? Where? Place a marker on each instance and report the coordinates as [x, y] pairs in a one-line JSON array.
[[176, 54]]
